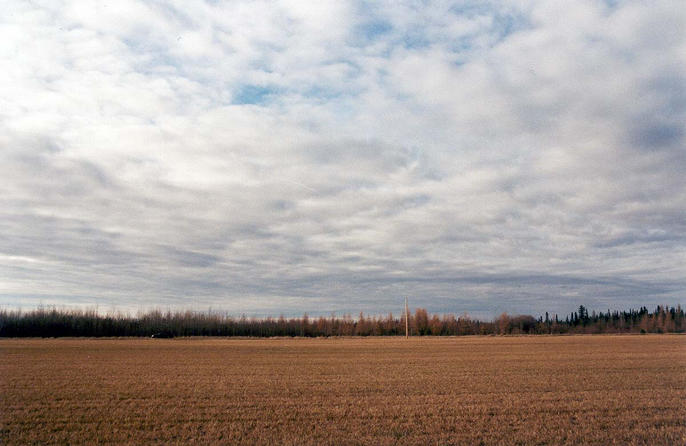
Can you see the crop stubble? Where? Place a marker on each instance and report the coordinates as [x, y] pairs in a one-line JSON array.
[[469, 390]]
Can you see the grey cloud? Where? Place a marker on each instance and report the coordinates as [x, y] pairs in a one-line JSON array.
[[634, 238], [57, 239], [485, 158], [656, 136], [189, 258]]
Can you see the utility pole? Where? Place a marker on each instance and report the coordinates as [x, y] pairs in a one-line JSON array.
[[407, 319]]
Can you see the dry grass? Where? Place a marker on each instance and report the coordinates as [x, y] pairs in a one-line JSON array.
[[481, 390]]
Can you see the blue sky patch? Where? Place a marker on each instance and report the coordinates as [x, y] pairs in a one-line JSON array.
[[253, 94]]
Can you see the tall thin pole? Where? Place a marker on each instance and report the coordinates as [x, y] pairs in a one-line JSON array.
[[407, 319]]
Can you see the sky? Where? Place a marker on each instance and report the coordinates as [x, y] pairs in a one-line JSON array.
[[282, 157]]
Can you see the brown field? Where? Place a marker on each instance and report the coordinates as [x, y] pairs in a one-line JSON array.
[[477, 390]]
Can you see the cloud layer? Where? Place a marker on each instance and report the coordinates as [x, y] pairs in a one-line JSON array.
[[268, 157]]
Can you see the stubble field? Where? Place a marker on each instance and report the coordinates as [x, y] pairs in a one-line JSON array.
[[382, 391]]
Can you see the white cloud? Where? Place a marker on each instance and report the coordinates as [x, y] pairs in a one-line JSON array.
[[267, 157]]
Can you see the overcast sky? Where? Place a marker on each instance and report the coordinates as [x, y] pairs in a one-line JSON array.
[[267, 157]]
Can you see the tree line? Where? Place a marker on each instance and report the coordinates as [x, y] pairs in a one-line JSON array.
[[54, 322]]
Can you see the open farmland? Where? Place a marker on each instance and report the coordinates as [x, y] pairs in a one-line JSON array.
[[470, 390]]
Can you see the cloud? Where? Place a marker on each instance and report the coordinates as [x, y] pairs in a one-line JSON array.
[[268, 157]]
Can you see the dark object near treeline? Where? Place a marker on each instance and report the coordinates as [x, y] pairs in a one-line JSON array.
[[162, 335]]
